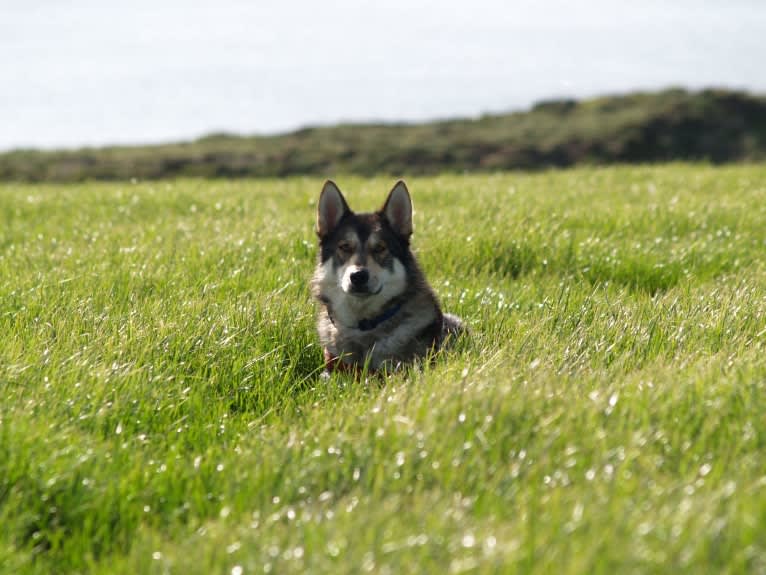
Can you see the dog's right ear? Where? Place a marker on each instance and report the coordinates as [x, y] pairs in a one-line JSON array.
[[332, 207]]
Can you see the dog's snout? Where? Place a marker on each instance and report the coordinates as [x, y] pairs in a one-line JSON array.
[[359, 278]]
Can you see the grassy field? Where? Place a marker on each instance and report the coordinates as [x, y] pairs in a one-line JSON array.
[[162, 409]]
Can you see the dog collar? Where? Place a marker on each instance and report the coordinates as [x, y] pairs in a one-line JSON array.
[[372, 323]]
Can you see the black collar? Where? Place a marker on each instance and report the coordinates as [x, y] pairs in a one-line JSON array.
[[372, 323]]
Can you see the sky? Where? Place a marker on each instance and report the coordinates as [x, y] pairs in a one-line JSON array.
[[97, 72]]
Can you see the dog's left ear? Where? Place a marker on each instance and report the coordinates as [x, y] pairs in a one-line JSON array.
[[398, 209]]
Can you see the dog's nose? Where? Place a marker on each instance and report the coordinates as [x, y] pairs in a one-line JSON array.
[[359, 278]]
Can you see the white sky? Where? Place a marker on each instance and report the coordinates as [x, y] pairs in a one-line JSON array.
[[91, 72]]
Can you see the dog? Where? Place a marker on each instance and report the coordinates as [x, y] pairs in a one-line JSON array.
[[376, 309]]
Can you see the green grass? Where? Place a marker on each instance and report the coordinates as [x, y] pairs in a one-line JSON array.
[[162, 409]]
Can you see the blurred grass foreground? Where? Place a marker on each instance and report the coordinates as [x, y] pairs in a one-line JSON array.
[[718, 126]]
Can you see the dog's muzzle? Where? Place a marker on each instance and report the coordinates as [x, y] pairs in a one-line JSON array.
[[359, 279], [360, 283]]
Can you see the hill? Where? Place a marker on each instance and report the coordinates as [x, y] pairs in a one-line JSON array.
[[713, 125]]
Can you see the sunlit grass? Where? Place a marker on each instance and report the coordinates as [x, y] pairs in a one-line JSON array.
[[162, 407]]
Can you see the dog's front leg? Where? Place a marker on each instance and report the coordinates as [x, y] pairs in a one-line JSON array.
[[400, 345]]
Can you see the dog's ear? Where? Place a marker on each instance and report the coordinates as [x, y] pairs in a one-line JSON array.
[[398, 209], [332, 207]]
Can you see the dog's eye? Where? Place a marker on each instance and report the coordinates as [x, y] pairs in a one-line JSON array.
[[344, 248], [379, 249]]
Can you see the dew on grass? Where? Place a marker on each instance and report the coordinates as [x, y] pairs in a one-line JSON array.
[[352, 503], [368, 562], [417, 540], [468, 540], [291, 554], [577, 512]]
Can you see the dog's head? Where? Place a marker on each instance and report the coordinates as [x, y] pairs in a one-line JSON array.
[[364, 255]]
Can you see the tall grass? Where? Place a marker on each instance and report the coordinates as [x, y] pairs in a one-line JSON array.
[[162, 409]]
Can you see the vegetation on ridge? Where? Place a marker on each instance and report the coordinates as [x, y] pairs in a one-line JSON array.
[[713, 125]]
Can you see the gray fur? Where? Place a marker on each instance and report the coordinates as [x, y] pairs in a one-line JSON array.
[[418, 325]]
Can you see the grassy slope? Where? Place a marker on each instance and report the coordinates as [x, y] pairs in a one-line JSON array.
[[161, 407], [672, 125]]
